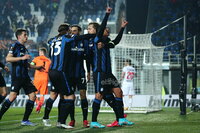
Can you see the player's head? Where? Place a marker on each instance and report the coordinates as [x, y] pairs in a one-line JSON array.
[[128, 62], [21, 35], [75, 29], [93, 28], [63, 28], [106, 31], [42, 51]]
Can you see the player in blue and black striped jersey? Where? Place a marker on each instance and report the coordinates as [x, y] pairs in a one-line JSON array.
[[109, 83], [94, 28], [105, 82], [18, 55], [79, 53], [60, 55], [3, 88]]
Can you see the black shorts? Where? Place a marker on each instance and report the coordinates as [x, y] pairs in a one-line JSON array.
[[25, 83], [104, 82], [78, 83], [60, 83], [2, 81]]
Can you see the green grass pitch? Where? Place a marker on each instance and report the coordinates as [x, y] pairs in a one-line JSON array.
[[166, 121]]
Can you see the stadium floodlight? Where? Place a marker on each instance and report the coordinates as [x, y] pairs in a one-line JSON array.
[[98, 20], [89, 20]]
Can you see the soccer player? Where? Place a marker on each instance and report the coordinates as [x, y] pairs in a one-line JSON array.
[[77, 74], [59, 49], [41, 77], [18, 56], [3, 89], [104, 80], [128, 73]]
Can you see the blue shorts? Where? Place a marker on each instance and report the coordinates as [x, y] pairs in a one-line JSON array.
[[60, 83], [25, 83], [104, 82]]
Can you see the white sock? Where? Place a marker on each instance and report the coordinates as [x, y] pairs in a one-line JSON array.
[[130, 102], [125, 99]]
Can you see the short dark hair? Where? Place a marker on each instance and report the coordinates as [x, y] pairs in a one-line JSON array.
[[19, 32], [63, 27], [76, 25], [95, 25], [128, 61], [43, 49]]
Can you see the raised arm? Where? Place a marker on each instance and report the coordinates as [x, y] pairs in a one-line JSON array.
[[104, 22], [120, 34]]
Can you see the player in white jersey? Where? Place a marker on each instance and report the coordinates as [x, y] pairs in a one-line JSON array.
[[128, 73]]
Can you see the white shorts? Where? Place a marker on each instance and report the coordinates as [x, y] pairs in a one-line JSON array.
[[128, 88]]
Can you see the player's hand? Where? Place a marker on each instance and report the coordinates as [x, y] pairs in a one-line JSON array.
[[88, 77], [6, 69], [40, 68], [108, 10], [124, 23], [25, 57]]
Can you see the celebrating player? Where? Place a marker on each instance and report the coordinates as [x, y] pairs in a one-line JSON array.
[[77, 74], [104, 80], [59, 48]]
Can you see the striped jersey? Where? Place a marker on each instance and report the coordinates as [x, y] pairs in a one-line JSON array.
[[59, 52], [19, 68]]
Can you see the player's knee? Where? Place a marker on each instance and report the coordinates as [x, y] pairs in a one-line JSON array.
[[53, 95], [32, 96], [82, 95], [98, 96]]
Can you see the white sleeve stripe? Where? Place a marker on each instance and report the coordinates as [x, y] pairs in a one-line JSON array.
[[111, 42]]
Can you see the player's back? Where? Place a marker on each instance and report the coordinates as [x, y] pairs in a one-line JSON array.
[[59, 52], [129, 73]]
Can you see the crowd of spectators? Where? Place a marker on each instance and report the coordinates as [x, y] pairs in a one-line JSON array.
[[167, 11], [17, 14], [82, 10]]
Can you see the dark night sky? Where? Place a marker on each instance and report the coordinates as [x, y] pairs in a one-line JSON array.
[[137, 15]]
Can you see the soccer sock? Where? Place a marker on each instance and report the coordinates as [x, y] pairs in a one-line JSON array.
[[84, 106], [37, 100], [110, 99], [59, 110], [5, 107], [2, 98], [72, 112], [28, 110], [119, 106], [124, 101], [130, 102], [95, 109], [48, 108], [65, 108], [42, 100]]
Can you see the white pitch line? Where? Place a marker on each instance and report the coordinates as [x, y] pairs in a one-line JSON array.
[[30, 119]]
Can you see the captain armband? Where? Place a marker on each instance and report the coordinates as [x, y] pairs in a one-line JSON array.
[[32, 63]]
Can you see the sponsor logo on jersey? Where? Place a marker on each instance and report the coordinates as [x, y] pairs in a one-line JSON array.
[[77, 49]]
